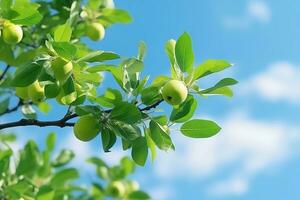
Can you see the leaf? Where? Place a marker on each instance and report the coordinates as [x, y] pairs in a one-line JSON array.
[[184, 53], [63, 33], [126, 112], [87, 109], [65, 49], [28, 18], [138, 195], [150, 144], [98, 56], [151, 95], [64, 157], [45, 193], [210, 67], [110, 98], [26, 75], [126, 131], [44, 107], [142, 51], [185, 111], [108, 139], [29, 160], [127, 165], [198, 128], [159, 136], [139, 151], [4, 105], [5, 159], [62, 177], [221, 84], [170, 50], [50, 141], [96, 161], [115, 16]]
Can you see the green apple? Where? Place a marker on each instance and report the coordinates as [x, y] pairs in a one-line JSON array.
[[174, 92], [86, 128], [116, 189], [22, 92], [62, 69], [95, 31], [12, 33], [36, 92]]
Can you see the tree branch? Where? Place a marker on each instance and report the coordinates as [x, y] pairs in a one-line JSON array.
[[4, 72], [13, 109], [60, 123]]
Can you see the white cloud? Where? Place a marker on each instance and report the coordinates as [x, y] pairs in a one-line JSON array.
[[252, 145], [161, 192], [256, 11], [280, 81]]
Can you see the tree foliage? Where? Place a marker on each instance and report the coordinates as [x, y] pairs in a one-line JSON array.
[[46, 60]]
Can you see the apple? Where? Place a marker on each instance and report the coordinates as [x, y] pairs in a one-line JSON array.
[[12, 33], [22, 92], [86, 128], [62, 69], [174, 92], [36, 92], [95, 31], [116, 189]]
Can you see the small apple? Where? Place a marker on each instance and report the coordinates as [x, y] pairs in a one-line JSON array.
[[36, 92], [95, 31], [116, 189], [174, 92], [22, 92], [12, 33], [86, 128], [62, 69]]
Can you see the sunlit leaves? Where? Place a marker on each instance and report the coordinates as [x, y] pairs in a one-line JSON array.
[[184, 52], [126, 112], [185, 111], [63, 33], [209, 67], [159, 136], [26, 75], [199, 128], [139, 151]]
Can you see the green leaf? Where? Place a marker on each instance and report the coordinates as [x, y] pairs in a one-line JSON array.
[[26, 75], [29, 17], [98, 56], [96, 161], [5, 156], [108, 139], [4, 105], [159, 136], [184, 52], [88, 109], [150, 144], [198, 128], [151, 95], [64, 157], [45, 193], [29, 160], [210, 67], [44, 107], [115, 16], [185, 111], [51, 90], [110, 98], [50, 141], [126, 131], [221, 84], [138, 195], [65, 49], [63, 33], [62, 177], [127, 165], [21, 187], [126, 112], [170, 50], [142, 51], [139, 151]]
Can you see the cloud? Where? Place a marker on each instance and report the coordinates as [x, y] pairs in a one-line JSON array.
[[162, 192], [250, 144], [279, 82], [256, 11]]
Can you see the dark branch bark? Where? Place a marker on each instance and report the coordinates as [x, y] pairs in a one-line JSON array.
[[4, 72], [59, 123]]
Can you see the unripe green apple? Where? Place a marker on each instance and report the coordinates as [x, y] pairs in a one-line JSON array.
[[36, 92], [12, 33], [22, 92], [86, 128], [116, 189], [95, 31], [174, 92], [62, 69]]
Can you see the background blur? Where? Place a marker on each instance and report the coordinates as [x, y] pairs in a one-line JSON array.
[[257, 154]]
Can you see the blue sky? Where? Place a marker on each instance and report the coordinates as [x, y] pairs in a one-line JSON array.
[[256, 156]]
